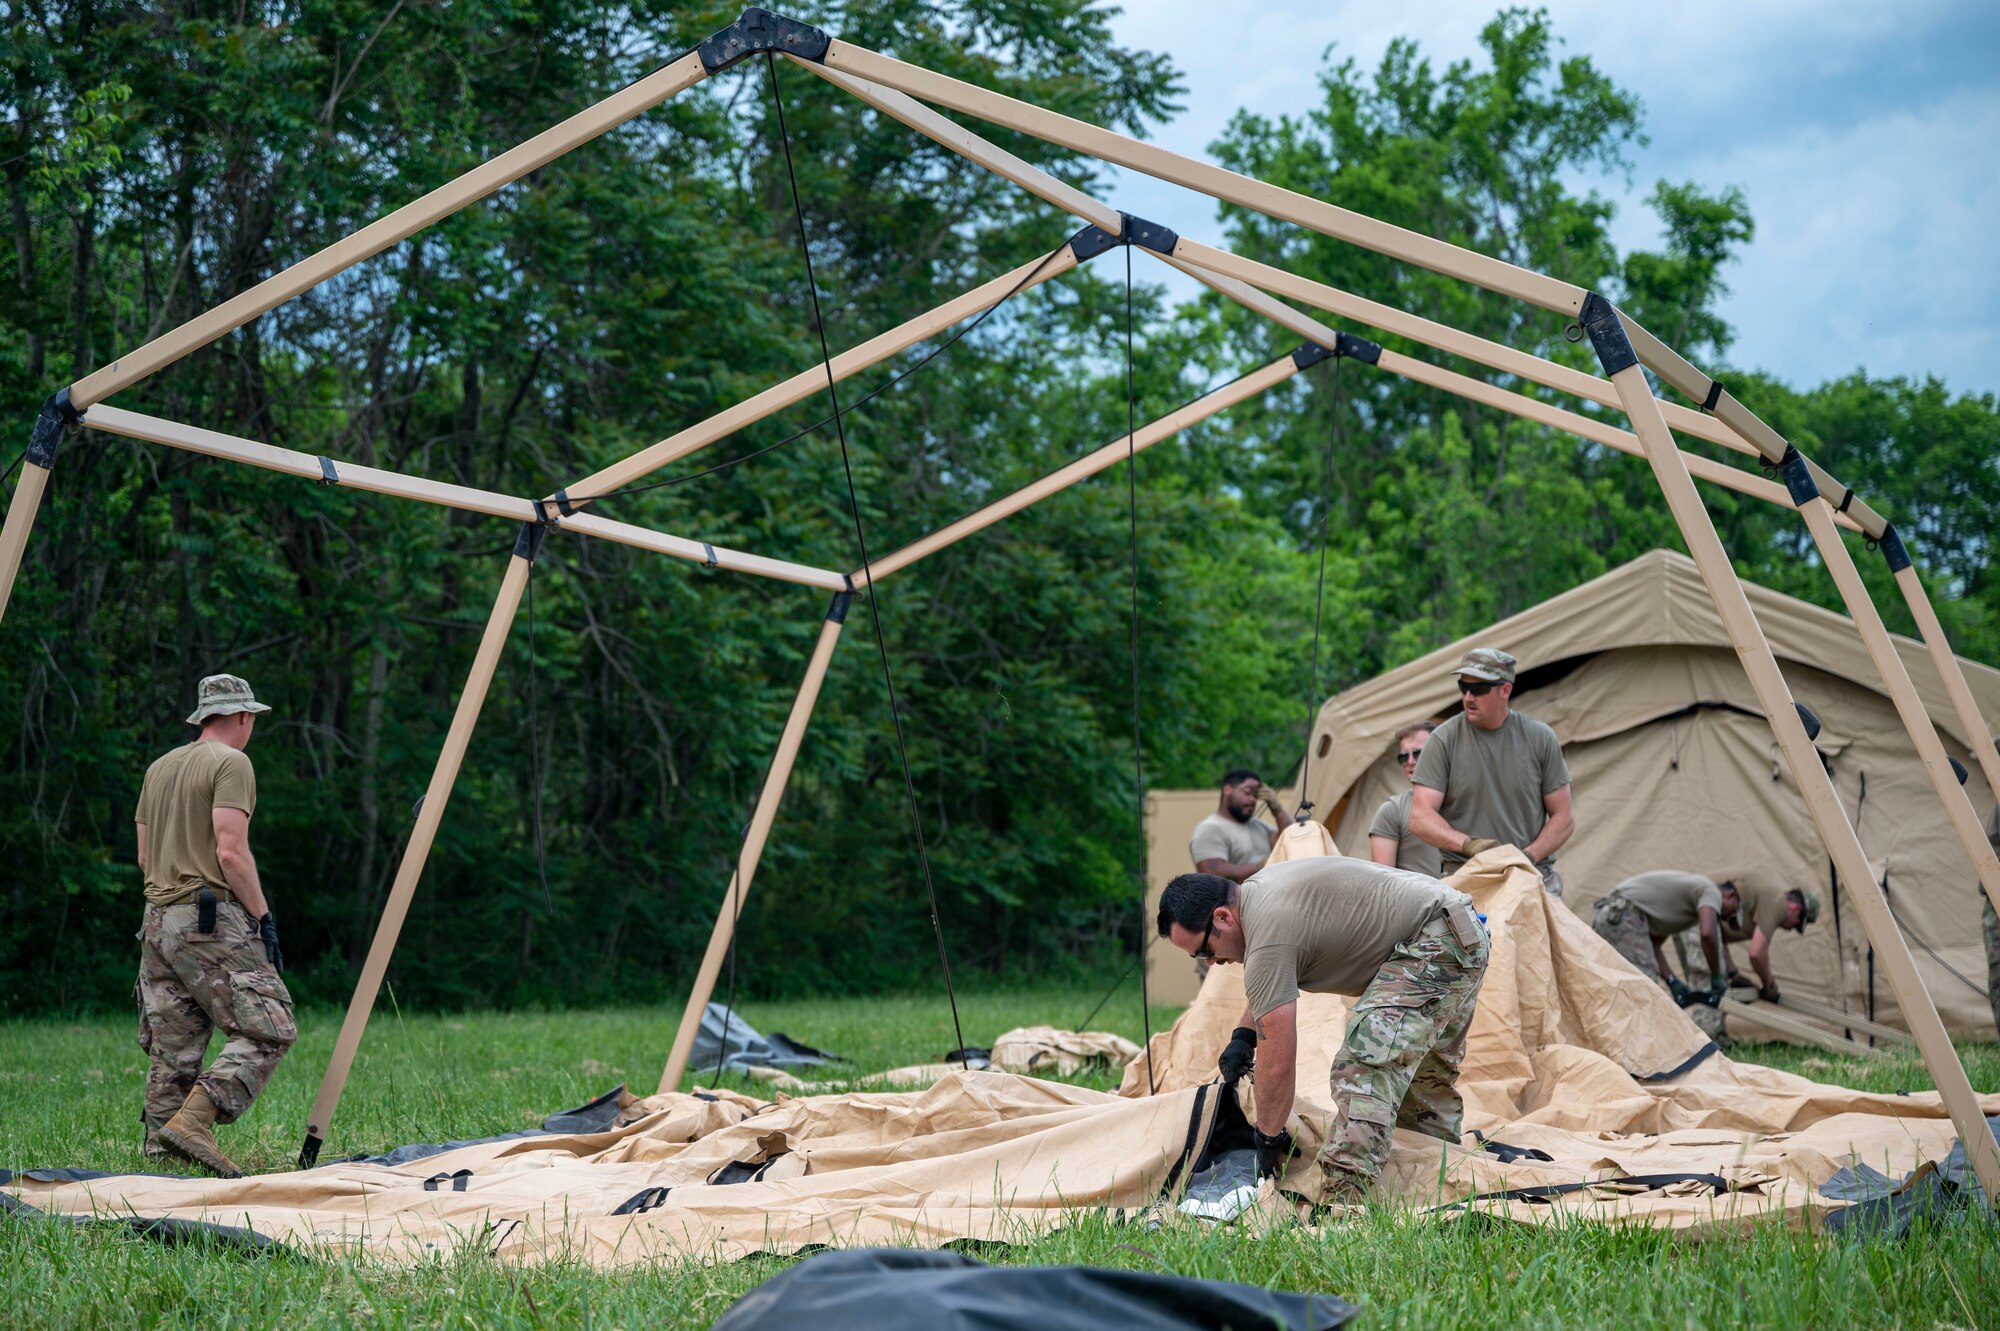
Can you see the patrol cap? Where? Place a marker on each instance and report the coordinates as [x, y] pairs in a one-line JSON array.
[[1487, 663], [223, 695], [1811, 912]]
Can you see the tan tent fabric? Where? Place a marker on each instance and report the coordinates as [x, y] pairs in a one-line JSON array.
[[1674, 767], [1039, 1050], [1562, 1028]]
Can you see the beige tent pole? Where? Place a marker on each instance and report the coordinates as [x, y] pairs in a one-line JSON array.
[[1396, 242], [1607, 330], [327, 471], [1478, 390], [1207, 263], [659, 86], [1086, 466], [808, 382], [1977, 731], [1833, 551], [775, 780], [430, 811], [21, 510]]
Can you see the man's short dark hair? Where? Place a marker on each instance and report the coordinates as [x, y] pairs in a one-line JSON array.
[[1236, 776], [1191, 899]]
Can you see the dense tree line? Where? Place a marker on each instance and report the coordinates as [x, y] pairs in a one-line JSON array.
[[160, 158]]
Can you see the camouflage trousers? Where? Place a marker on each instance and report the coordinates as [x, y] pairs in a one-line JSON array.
[[1989, 924], [192, 984], [1398, 1065], [1623, 925]]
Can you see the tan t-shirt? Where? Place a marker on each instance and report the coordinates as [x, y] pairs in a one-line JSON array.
[[1670, 899], [1412, 851], [1220, 837], [1763, 908], [1327, 923], [1493, 780], [177, 804]]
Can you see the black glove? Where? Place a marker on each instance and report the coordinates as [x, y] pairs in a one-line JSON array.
[[1678, 988], [267, 929], [1273, 1153], [1769, 995], [1238, 1056], [1718, 985]]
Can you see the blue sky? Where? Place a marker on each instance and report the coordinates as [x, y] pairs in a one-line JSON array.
[[1866, 137]]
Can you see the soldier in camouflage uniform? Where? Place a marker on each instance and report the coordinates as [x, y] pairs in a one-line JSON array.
[[209, 957], [1411, 953]]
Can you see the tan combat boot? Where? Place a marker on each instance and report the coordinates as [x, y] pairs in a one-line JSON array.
[[189, 1133]]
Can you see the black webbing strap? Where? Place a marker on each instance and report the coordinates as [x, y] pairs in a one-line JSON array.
[[1689, 1066], [1714, 395], [1845, 500], [643, 1201], [708, 555], [327, 475], [457, 1181], [204, 911], [1543, 1193], [563, 505]]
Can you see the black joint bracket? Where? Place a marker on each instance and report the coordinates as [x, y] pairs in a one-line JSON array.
[[1798, 477], [1599, 318], [1153, 236], [327, 475], [528, 545], [836, 613], [57, 415], [1344, 344], [1891, 544], [1092, 241], [563, 505], [1714, 395], [309, 1150], [758, 31]]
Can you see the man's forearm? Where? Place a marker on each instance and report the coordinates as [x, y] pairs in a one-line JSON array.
[[1711, 947], [240, 870], [1432, 828], [1556, 832], [1761, 963], [1277, 1078]]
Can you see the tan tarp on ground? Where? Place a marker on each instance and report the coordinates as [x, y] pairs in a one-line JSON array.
[[1562, 1027], [1660, 786]]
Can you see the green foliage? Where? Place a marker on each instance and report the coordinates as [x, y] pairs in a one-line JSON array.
[[160, 159]]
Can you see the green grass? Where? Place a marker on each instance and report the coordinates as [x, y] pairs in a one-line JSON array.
[[69, 1096]]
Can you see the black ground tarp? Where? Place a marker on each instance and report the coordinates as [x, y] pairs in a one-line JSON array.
[[899, 1289]]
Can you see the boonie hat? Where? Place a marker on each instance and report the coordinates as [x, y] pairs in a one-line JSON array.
[[223, 695], [1487, 663], [1811, 911]]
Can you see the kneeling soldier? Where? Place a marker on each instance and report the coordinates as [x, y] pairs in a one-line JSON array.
[[208, 954], [1408, 949]]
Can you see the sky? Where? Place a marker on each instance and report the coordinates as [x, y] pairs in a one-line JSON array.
[[1866, 138]]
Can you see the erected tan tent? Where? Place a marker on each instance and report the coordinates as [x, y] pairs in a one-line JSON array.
[[1674, 767]]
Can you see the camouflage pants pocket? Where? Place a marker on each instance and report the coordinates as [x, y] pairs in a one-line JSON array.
[[262, 1007], [145, 1022]]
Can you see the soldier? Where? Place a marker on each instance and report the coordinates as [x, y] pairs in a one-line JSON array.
[[208, 954], [1408, 949], [1646, 909], [1491, 776], [1390, 840], [1233, 841], [1765, 913], [1989, 924]]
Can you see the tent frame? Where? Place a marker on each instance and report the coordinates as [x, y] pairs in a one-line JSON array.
[[908, 93]]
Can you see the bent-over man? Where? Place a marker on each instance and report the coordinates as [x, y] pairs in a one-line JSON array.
[[1765, 912], [1645, 910], [1390, 840], [1408, 949], [1491, 776], [1233, 842], [208, 954]]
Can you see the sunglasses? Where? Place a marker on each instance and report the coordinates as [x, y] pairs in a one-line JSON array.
[[1479, 688], [1201, 952], [1411, 755]]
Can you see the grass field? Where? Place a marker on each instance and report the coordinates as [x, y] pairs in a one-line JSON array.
[[69, 1095]]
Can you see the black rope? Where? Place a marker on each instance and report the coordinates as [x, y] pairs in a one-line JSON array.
[[1319, 597], [865, 398], [10, 466], [1138, 755], [861, 539], [535, 749], [1115, 984]]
